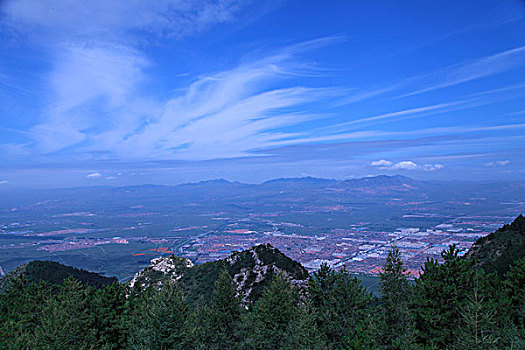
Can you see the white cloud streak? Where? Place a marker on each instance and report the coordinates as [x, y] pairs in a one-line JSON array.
[[375, 134], [475, 69], [97, 104], [421, 111], [405, 165], [95, 175], [381, 163], [498, 163], [224, 115], [450, 76]]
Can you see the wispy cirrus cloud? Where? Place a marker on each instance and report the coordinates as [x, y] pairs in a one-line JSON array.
[[227, 114], [445, 77], [471, 70], [221, 115], [100, 19], [418, 111], [91, 88], [98, 106]]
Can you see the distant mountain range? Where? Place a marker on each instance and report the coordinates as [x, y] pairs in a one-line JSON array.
[[309, 188], [369, 181]]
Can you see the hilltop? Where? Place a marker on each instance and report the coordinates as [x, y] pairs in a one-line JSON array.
[[54, 273], [252, 270]]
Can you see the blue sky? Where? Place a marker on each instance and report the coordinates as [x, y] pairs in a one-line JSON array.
[[129, 92]]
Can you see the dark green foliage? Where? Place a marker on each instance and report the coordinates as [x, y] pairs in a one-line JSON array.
[[303, 333], [342, 306], [514, 290], [65, 322], [108, 312], [395, 322], [161, 319], [439, 295], [501, 249], [478, 328], [199, 281], [54, 273], [20, 310], [273, 314], [222, 320]]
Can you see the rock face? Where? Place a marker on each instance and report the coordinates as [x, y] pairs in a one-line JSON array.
[[251, 270], [160, 270], [499, 250]]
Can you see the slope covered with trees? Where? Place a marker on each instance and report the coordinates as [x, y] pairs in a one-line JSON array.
[[55, 273], [501, 249]]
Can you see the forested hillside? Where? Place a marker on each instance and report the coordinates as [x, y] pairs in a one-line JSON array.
[[453, 305], [53, 272], [498, 251]]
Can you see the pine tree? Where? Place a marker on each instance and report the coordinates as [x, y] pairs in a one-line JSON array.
[[394, 317], [514, 289], [224, 315], [478, 329], [512, 330], [341, 303], [303, 333], [439, 294], [20, 310], [161, 318], [273, 314], [108, 310], [65, 320]]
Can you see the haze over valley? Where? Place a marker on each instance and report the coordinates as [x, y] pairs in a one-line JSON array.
[[116, 231]]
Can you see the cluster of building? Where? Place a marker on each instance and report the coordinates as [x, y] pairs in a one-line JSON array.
[[60, 246], [359, 248]]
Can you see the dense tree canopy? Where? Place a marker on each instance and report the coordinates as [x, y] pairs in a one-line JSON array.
[[453, 305]]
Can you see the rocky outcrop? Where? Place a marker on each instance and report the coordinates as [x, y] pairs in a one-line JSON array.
[[251, 270], [161, 270]]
